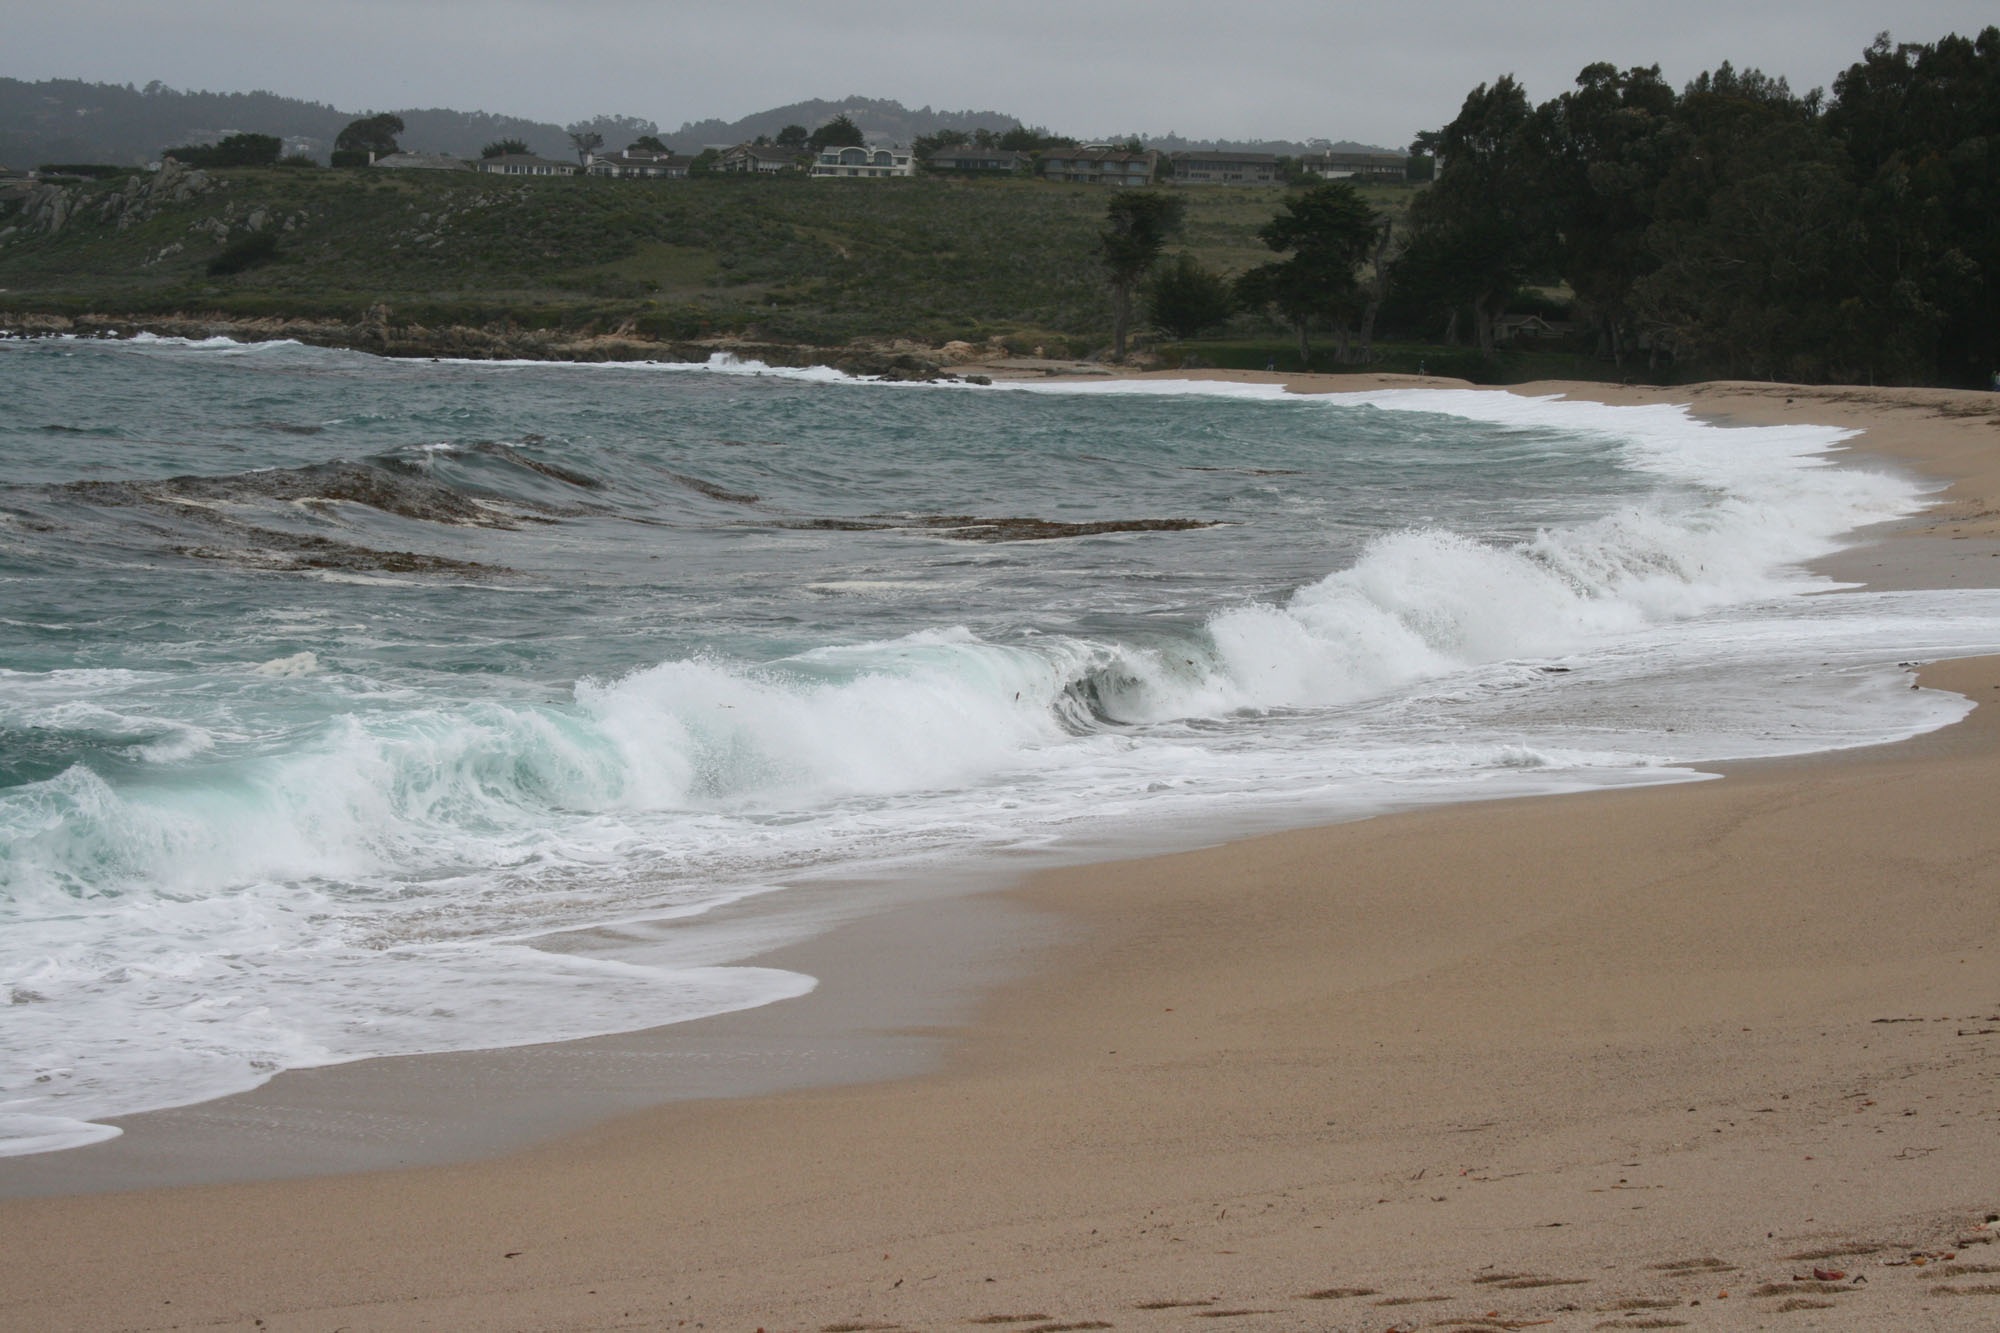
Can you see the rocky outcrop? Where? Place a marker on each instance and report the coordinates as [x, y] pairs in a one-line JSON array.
[[48, 207], [377, 331]]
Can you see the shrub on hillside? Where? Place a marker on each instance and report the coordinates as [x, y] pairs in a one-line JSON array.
[[259, 247]]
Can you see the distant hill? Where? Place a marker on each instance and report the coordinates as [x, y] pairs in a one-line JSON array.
[[882, 120], [67, 120], [885, 121]]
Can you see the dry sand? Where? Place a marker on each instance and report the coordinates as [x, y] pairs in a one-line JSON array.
[[1629, 1059]]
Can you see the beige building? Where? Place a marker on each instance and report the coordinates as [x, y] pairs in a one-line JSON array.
[[1225, 169], [1099, 166]]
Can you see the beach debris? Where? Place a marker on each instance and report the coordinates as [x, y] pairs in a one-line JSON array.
[[1013, 1318], [1835, 1252], [1706, 1264], [1829, 1274]]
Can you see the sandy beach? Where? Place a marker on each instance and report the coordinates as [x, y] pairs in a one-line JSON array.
[[1716, 1055]]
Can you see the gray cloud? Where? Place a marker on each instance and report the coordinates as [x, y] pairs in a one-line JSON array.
[[1283, 68]]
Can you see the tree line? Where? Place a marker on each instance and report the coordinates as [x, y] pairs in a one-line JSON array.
[[1731, 227]]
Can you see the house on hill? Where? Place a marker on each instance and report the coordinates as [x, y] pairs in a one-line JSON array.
[[1355, 166], [1530, 328], [864, 162], [1099, 166], [968, 160], [1225, 168], [758, 159], [641, 164], [422, 162], [524, 164]]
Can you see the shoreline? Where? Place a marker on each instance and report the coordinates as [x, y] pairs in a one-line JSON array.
[[1212, 1110]]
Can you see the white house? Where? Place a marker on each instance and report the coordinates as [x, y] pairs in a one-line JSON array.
[[524, 164], [1355, 166], [864, 162]]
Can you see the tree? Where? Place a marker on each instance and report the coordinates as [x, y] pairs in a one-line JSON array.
[[1603, 150], [1138, 223], [648, 143], [840, 132], [585, 142], [1183, 298], [793, 136], [1329, 229], [1920, 128], [1478, 230], [925, 145], [705, 162], [504, 148], [370, 134], [1027, 139], [1420, 165]]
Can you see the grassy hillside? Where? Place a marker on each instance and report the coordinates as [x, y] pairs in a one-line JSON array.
[[783, 260]]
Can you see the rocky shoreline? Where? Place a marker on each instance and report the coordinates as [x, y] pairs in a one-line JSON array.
[[378, 333]]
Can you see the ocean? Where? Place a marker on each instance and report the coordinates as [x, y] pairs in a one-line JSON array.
[[340, 697]]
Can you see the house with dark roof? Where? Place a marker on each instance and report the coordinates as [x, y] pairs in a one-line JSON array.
[[759, 159], [1098, 166], [640, 164], [1225, 168], [524, 164], [967, 160]]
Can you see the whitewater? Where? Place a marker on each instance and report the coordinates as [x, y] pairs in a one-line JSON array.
[[353, 707]]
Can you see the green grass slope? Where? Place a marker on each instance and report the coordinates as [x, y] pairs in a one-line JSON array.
[[779, 259]]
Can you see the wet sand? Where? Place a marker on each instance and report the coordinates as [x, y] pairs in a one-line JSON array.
[[1638, 1058]]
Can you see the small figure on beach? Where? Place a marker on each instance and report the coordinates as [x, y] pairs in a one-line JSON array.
[[1271, 364], [1996, 381]]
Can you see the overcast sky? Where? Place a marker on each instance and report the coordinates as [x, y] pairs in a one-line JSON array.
[[1288, 69]]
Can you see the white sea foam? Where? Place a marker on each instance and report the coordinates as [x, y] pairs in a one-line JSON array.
[[218, 343], [297, 664]]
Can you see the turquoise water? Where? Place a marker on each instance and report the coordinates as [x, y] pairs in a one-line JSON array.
[[330, 685]]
